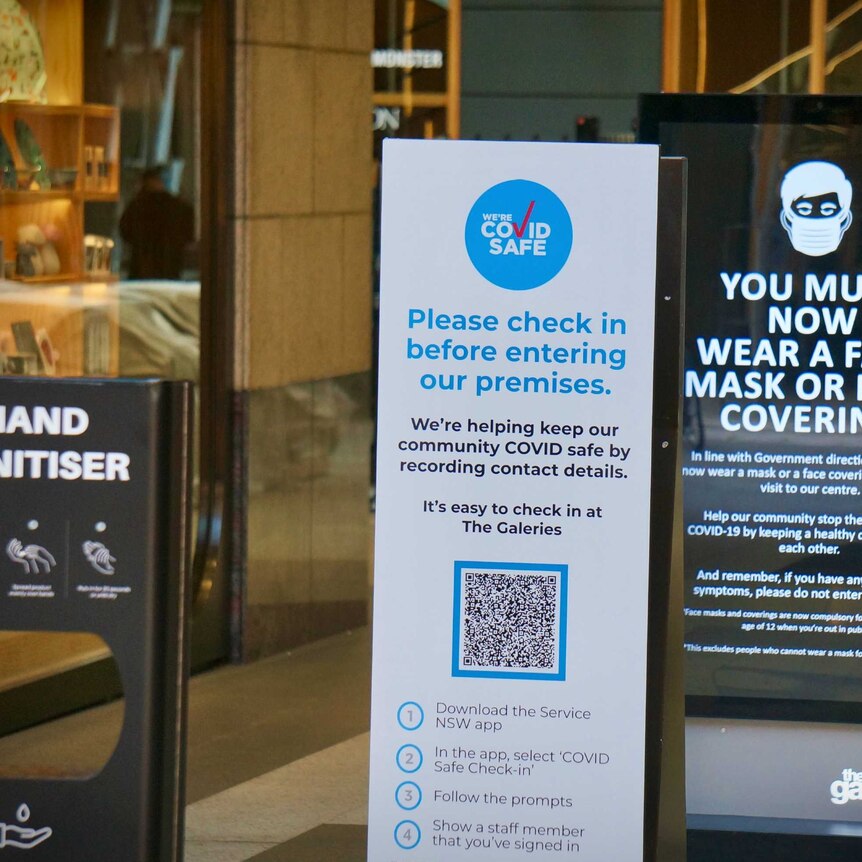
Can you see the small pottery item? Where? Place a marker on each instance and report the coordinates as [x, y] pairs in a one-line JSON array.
[[24, 178], [31, 233], [62, 178], [31, 152], [50, 259], [47, 353], [7, 165], [28, 264]]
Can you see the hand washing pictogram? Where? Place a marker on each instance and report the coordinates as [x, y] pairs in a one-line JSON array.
[[34, 558], [22, 837]]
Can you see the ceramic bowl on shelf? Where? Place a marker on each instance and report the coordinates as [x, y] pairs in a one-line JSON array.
[[24, 178], [18, 179], [62, 178]]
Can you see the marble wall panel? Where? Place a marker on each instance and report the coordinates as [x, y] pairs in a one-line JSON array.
[[342, 151], [308, 512], [303, 287], [280, 113]]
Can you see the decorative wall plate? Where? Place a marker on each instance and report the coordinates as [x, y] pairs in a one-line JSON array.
[[22, 60]]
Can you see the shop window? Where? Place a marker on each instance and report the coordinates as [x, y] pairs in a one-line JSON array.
[[100, 118], [763, 46]]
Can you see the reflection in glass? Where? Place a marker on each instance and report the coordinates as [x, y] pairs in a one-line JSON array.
[[766, 46], [32, 659], [99, 221]]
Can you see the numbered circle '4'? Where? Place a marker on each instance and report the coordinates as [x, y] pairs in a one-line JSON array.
[[407, 834]]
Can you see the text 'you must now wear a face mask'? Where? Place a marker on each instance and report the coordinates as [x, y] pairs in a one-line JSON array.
[[815, 201]]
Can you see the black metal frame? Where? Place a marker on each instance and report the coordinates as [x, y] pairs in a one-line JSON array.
[[655, 109], [212, 587], [716, 846], [667, 372]]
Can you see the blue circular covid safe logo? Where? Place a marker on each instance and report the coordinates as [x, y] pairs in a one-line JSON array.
[[518, 234]]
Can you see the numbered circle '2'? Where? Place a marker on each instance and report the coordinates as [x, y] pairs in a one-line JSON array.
[[409, 758], [518, 234]]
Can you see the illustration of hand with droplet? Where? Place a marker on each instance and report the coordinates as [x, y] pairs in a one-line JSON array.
[[34, 558], [23, 837]]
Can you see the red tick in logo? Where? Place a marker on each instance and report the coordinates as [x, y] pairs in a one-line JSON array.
[[519, 231]]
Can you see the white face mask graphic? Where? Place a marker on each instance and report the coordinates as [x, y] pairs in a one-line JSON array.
[[815, 199]]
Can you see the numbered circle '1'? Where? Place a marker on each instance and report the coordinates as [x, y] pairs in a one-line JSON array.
[[411, 715]]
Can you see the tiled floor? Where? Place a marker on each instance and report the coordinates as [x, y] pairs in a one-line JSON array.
[[323, 788], [344, 843], [277, 757]]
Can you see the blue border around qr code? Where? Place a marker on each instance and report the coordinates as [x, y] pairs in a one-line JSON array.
[[562, 569]]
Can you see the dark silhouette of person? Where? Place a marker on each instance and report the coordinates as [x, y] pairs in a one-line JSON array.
[[158, 226]]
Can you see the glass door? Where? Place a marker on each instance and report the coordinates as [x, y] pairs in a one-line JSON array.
[[107, 270]]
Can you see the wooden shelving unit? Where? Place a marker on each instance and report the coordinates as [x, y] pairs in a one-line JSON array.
[[63, 304], [62, 133]]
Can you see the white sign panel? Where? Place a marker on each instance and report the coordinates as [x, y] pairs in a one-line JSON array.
[[513, 502]]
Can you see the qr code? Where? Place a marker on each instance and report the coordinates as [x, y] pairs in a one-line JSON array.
[[510, 620]]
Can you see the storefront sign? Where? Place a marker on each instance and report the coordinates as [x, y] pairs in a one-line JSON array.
[[394, 58], [513, 513]]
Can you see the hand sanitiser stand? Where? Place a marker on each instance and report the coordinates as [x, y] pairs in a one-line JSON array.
[[94, 492]]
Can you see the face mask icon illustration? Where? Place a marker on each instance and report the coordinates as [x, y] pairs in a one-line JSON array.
[[815, 207]]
